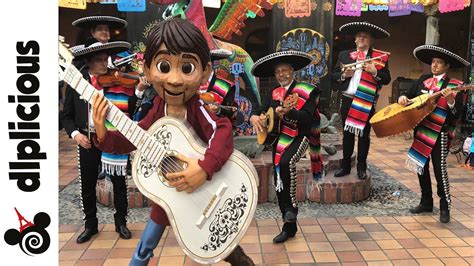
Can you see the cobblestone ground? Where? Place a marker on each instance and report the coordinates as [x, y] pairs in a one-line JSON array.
[[381, 202]]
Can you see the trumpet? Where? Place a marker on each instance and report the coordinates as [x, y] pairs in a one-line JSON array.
[[360, 64]]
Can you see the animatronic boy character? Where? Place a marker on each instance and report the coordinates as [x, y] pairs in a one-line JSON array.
[[177, 62]]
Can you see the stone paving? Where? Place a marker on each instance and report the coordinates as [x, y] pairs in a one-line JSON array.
[[381, 202], [326, 238]]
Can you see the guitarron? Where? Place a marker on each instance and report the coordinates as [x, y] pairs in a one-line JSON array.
[[395, 118], [209, 222]]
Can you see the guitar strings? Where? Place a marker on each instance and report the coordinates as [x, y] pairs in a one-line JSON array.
[[200, 199]]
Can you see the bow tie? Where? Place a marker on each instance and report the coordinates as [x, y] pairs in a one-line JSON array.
[[358, 55], [278, 94], [431, 83]]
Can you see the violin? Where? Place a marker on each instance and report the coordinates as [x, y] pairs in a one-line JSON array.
[[209, 99], [115, 77]]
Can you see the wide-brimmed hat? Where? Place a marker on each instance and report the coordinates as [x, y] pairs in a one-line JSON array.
[[353, 28], [426, 53], [264, 67], [92, 21], [218, 54], [93, 46]]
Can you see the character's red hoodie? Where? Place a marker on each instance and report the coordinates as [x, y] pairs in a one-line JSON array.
[[213, 130]]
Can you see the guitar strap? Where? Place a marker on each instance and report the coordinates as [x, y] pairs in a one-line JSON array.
[[289, 131], [429, 128]]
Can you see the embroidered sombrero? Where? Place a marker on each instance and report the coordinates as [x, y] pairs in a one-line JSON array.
[[93, 46], [426, 53], [264, 67], [218, 54], [353, 28], [93, 21]]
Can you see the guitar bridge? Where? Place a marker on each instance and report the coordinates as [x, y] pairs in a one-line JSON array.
[[211, 205]]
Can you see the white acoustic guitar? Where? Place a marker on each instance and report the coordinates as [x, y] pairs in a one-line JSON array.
[[209, 222]]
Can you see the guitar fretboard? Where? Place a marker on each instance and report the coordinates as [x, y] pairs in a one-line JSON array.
[[148, 146], [458, 88]]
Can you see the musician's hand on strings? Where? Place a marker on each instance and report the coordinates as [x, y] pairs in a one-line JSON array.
[[448, 94], [82, 141], [256, 123], [99, 111], [190, 179], [348, 73], [370, 67], [281, 111], [403, 100]]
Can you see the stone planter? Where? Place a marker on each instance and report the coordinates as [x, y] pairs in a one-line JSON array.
[[329, 190]]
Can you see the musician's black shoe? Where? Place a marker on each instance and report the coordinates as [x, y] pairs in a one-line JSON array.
[[86, 235], [444, 216], [342, 172], [362, 174], [123, 231], [282, 237], [421, 208], [288, 230], [238, 257]]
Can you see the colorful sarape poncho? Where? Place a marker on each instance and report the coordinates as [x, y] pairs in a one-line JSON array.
[[429, 128], [289, 132], [364, 98]]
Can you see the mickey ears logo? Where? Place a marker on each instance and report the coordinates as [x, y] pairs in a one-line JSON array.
[[32, 237]]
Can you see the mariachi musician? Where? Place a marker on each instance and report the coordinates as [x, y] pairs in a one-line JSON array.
[[359, 85], [177, 62], [220, 90], [299, 129], [77, 120], [100, 26], [432, 135]]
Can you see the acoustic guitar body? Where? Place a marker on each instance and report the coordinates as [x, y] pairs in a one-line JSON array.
[[271, 128], [395, 118], [271, 122]]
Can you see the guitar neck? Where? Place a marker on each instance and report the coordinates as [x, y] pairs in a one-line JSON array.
[[458, 88], [130, 129]]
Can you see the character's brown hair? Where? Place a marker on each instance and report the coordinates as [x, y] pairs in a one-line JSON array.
[[179, 36]]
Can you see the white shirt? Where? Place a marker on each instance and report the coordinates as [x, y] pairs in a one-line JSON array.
[[352, 88], [439, 77]]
